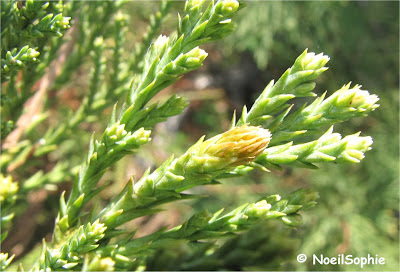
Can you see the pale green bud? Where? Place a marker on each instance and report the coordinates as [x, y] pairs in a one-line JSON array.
[[356, 98], [96, 229], [342, 105], [5, 261], [8, 189], [227, 7], [30, 55], [193, 59], [310, 62], [60, 21], [98, 42], [25, 54], [358, 143], [191, 5], [102, 264], [161, 42], [185, 62], [362, 99], [121, 18], [258, 209], [315, 62], [116, 132], [355, 148]]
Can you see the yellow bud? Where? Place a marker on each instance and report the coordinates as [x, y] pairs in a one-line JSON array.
[[243, 144]]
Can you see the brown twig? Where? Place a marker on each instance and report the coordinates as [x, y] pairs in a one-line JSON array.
[[34, 106]]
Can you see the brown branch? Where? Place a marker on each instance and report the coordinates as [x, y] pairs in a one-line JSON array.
[[34, 106]]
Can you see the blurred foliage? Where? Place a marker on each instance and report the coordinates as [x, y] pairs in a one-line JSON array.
[[364, 32]]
